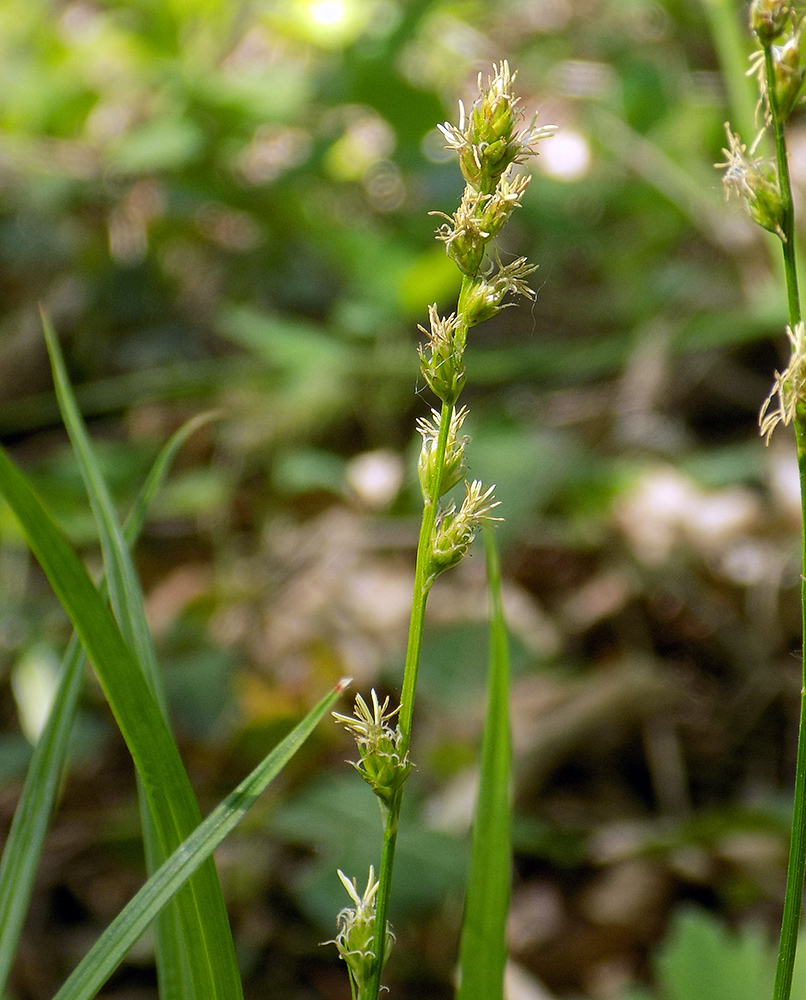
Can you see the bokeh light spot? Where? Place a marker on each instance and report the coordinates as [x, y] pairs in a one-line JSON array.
[[328, 13], [567, 157]]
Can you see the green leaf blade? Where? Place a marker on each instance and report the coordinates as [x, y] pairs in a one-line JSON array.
[[124, 587], [184, 959], [142, 724], [130, 923], [23, 847], [482, 952]]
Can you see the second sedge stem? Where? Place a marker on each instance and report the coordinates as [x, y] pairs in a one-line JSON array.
[[785, 186], [796, 866]]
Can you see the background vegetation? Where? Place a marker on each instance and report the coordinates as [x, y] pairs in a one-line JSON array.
[[225, 206]]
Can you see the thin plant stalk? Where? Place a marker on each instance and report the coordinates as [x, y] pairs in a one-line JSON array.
[[785, 185], [410, 671], [796, 866], [421, 586], [412, 665], [766, 191]]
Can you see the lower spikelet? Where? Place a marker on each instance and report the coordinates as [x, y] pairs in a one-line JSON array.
[[789, 388]]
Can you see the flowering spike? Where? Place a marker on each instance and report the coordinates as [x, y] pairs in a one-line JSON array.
[[357, 930], [479, 218], [441, 359], [789, 71], [486, 298], [486, 139], [454, 463], [456, 529], [789, 390], [769, 19], [382, 765], [754, 181], [490, 141]]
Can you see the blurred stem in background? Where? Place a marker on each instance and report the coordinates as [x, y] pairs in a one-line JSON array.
[[731, 47]]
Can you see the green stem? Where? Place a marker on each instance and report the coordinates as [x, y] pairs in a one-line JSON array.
[[384, 891], [796, 867], [420, 596], [422, 585], [787, 207]]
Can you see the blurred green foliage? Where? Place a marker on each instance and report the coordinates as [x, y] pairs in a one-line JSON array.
[[225, 205], [702, 959]]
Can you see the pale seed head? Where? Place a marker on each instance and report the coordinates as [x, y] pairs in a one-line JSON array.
[[441, 358], [789, 390], [754, 181], [382, 764], [769, 19], [357, 931], [486, 138], [455, 529], [486, 298], [454, 465]]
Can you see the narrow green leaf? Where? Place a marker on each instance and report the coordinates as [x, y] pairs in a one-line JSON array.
[[160, 467], [482, 953], [173, 968], [141, 722], [126, 928], [124, 587], [23, 846], [181, 954]]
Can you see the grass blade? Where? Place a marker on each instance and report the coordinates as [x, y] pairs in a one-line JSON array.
[[23, 845], [159, 469], [482, 952], [130, 923], [124, 586], [180, 954], [141, 722]]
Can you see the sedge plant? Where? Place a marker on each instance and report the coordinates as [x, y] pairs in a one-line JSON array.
[[763, 186], [194, 947], [490, 141]]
